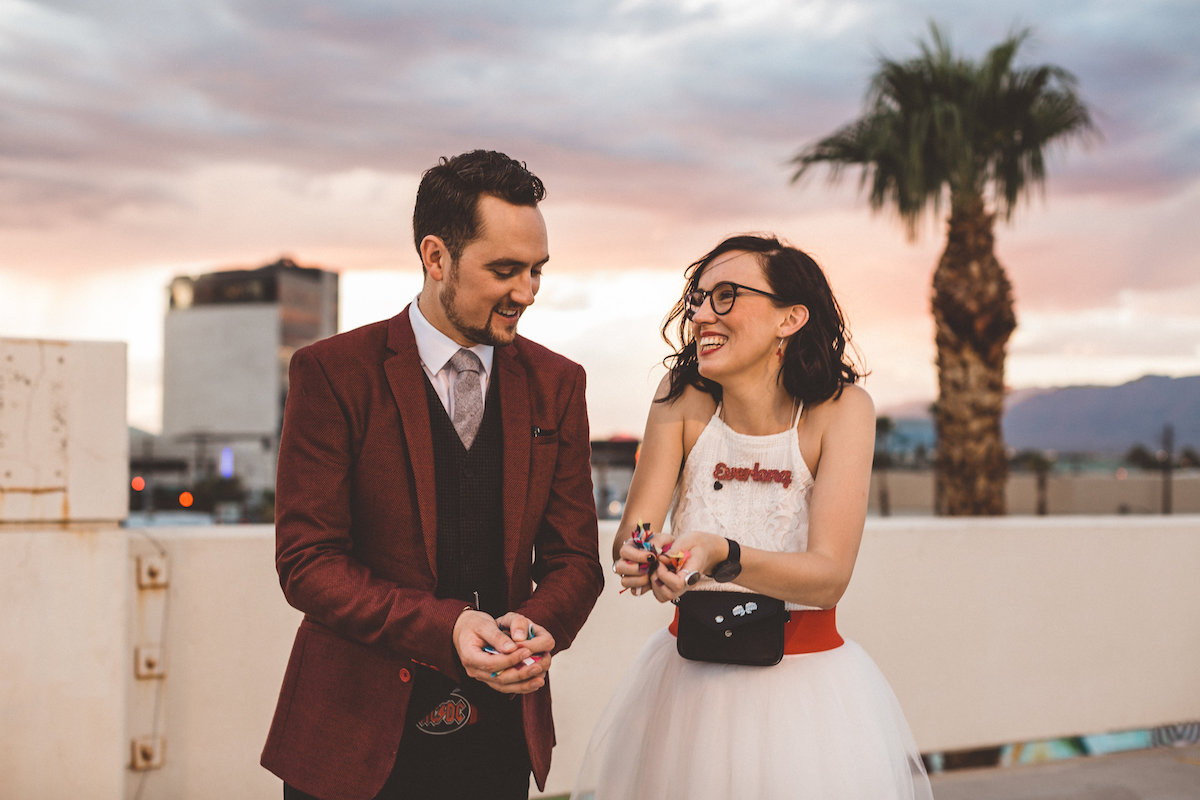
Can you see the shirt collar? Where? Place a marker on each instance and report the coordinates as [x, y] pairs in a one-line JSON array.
[[435, 348]]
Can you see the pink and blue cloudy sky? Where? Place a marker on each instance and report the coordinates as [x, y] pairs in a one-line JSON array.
[[143, 140]]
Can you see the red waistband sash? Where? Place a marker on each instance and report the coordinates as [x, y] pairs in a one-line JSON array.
[[805, 632]]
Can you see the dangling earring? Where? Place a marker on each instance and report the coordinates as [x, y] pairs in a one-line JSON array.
[[779, 349]]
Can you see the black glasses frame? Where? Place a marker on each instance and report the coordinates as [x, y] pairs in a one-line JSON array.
[[695, 298]]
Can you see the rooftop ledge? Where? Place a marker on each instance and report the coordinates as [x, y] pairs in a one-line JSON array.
[[991, 631]]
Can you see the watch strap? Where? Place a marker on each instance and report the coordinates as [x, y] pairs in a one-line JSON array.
[[731, 567]]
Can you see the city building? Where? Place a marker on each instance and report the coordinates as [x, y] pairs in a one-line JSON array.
[[228, 339], [613, 461]]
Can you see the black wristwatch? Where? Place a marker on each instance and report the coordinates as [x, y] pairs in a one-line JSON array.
[[731, 567]]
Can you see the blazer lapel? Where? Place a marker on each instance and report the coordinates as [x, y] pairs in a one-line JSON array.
[[407, 381], [515, 415]]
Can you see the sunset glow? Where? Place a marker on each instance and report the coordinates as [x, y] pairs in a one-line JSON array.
[[147, 141]]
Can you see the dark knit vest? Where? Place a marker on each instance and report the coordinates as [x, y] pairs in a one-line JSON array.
[[470, 524]]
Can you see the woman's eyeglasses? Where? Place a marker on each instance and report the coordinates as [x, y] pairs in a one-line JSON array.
[[720, 297]]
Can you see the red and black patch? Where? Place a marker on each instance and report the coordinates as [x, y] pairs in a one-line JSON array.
[[451, 715]]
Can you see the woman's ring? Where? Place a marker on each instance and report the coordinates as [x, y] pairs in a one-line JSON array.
[[690, 576], [615, 567]]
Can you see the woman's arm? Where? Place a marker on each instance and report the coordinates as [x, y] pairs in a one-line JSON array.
[[837, 513], [654, 477]]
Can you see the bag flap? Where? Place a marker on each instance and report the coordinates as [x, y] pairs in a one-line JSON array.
[[720, 611]]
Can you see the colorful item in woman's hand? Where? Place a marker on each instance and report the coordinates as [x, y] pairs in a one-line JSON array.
[[674, 560], [642, 535]]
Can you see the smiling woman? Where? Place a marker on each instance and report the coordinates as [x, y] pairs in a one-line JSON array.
[[810, 351], [758, 449]]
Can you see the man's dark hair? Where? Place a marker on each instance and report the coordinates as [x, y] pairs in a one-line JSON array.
[[448, 196]]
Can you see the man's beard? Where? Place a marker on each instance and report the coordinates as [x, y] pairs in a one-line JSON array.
[[480, 335]]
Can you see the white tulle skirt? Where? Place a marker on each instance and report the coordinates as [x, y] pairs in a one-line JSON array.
[[820, 725]]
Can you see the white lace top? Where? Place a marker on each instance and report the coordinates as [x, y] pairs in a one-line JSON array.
[[752, 489]]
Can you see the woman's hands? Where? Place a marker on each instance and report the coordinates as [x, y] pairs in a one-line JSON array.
[[640, 570], [635, 566]]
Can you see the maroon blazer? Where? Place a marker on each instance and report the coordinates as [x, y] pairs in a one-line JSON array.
[[356, 538]]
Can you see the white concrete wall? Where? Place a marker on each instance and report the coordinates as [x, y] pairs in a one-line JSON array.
[[911, 492], [62, 662], [227, 635], [1018, 628], [64, 450], [990, 631], [64, 461]]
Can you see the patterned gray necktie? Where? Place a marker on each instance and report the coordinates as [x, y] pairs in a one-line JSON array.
[[468, 397]]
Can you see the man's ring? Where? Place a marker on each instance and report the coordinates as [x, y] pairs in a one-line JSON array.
[[690, 576]]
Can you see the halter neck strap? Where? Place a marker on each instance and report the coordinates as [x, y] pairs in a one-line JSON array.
[[719, 413]]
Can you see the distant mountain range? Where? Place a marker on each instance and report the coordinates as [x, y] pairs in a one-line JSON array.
[[1086, 419]]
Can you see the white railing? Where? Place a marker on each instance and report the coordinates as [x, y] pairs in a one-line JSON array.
[[990, 631]]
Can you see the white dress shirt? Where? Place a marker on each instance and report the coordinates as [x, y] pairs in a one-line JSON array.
[[435, 349]]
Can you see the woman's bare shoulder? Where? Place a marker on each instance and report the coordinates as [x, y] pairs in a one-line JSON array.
[[852, 406], [691, 404]]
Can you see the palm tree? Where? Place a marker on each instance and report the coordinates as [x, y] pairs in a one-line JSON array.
[[940, 126], [884, 427], [1040, 463]]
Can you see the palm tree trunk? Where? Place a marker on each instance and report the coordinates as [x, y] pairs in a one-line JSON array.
[[973, 317]]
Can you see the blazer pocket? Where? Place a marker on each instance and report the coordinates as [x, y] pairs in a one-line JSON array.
[[343, 685], [543, 435], [346, 704]]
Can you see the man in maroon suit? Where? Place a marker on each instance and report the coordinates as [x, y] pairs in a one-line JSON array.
[[433, 468]]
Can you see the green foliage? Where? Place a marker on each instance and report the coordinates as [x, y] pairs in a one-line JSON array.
[[1034, 461], [884, 427], [940, 124], [1141, 457]]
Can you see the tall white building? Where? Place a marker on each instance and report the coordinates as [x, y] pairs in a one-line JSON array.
[[228, 339]]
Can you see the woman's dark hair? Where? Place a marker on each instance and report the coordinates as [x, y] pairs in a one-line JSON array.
[[815, 367], [448, 196]]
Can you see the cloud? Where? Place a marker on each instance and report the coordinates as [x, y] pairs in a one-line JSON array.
[[681, 94], [37, 198], [185, 136], [1141, 322], [1143, 332]]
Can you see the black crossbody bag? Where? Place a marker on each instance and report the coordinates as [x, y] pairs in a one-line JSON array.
[[731, 628]]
